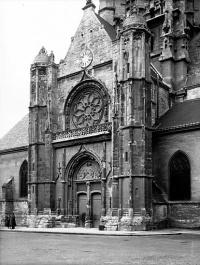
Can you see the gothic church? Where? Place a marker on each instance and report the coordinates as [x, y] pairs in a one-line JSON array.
[[112, 138]]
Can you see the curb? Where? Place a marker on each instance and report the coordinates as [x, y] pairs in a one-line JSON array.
[[92, 233]]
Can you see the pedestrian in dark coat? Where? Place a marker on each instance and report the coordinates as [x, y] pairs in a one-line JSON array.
[[7, 221], [12, 221]]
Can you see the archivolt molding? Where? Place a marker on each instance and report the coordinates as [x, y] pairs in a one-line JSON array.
[[79, 161]]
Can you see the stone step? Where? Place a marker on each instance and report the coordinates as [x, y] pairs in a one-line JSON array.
[[58, 224], [125, 213]]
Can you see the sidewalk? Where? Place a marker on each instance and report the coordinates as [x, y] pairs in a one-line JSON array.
[[95, 231]]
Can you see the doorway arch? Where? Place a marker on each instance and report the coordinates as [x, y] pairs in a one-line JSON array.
[[83, 176]]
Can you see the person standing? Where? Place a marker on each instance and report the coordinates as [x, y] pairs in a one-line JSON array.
[[7, 221], [12, 221]]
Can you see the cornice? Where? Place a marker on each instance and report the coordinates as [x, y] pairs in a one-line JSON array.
[[178, 128], [14, 150], [84, 140], [106, 8]]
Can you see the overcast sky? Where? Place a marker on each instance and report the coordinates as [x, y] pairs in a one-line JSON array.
[[26, 26]]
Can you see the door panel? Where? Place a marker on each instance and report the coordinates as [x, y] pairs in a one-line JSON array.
[[96, 209], [82, 199]]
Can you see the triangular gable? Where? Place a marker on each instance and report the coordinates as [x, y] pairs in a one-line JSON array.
[[94, 33]]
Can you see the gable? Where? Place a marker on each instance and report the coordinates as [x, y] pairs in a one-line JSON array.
[[94, 33]]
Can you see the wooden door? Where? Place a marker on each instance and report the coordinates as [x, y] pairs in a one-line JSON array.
[[96, 209], [82, 199]]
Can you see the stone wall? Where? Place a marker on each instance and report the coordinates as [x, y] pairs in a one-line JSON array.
[[164, 146], [185, 215], [180, 214], [10, 164]]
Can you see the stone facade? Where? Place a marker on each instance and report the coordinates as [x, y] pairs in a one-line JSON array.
[[11, 196], [113, 140]]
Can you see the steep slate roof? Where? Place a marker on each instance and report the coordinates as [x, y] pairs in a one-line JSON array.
[[17, 136], [181, 115], [108, 28]]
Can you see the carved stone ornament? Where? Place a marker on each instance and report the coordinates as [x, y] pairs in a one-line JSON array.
[[168, 23], [42, 51], [80, 132], [52, 57], [89, 171]]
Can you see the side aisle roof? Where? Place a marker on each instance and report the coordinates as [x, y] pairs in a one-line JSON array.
[[17, 136]]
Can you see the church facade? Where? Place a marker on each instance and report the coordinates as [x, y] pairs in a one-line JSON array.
[[114, 128]]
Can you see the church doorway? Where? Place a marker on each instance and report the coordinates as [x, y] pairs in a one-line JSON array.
[[84, 190]]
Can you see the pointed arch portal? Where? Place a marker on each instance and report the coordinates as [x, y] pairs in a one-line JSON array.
[[83, 176]]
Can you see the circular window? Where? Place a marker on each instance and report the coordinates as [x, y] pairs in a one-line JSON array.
[[87, 109]]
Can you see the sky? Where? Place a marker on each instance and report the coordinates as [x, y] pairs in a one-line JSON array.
[[26, 26]]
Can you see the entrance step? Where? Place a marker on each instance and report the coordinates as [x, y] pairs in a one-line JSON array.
[[125, 213], [58, 224], [68, 225]]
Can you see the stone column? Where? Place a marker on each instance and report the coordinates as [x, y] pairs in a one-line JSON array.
[[63, 198], [64, 183], [103, 183], [115, 196], [88, 221]]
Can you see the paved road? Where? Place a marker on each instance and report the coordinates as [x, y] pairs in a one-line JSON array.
[[42, 249]]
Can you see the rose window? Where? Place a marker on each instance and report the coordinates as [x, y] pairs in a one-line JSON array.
[[87, 110]]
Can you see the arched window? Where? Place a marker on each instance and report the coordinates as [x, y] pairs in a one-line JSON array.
[[86, 105], [179, 169], [23, 174]]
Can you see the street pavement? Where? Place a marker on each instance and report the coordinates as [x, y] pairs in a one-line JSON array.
[[49, 248]]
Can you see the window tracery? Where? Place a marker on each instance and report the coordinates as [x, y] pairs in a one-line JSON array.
[[179, 167], [24, 179], [87, 109], [86, 106]]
